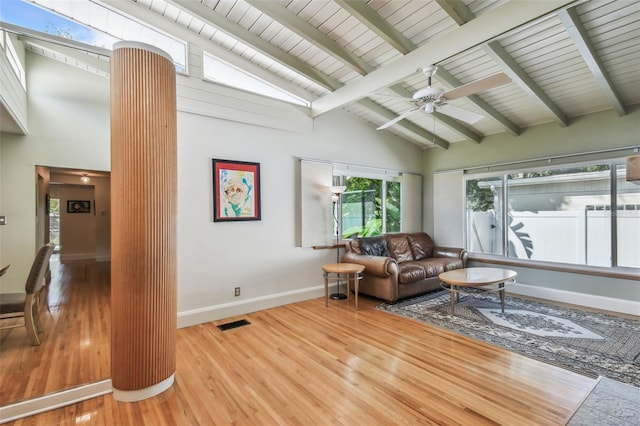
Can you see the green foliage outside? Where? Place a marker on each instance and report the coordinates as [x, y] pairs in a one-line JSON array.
[[54, 221], [363, 200]]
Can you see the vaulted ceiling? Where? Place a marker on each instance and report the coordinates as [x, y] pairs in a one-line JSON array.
[[564, 59]]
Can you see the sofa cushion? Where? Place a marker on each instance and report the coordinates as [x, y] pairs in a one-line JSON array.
[[374, 246], [437, 265], [409, 273], [421, 245], [398, 246]]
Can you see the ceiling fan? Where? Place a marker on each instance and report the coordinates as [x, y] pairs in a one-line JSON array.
[[432, 99]]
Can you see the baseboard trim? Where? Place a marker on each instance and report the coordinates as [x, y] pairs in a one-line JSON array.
[[574, 298], [226, 310], [140, 394], [54, 400], [76, 257]]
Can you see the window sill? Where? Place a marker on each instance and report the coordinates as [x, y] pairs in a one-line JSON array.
[[617, 272]]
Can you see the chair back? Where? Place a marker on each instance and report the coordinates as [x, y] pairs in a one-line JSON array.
[[35, 280]]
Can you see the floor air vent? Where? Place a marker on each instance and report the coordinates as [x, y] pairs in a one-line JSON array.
[[234, 324]]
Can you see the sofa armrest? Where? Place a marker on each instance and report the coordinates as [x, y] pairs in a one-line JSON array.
[[379, 266], [457, 253]]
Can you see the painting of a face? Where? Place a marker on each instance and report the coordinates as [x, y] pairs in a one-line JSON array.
[[235, 190]]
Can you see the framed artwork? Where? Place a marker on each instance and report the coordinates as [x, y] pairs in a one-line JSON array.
[[236, 190], [78, 206]]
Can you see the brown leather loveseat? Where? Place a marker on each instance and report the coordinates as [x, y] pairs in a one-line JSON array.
[[401, 265]]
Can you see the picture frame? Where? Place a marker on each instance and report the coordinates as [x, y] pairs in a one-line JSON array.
[[236, 190], [78, 206]]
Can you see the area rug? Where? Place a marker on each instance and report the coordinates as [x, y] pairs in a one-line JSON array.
[[590, 343]]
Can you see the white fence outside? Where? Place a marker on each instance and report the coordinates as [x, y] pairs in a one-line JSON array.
[[578, 236]]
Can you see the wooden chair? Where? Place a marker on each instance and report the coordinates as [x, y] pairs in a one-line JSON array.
[[27, 305]]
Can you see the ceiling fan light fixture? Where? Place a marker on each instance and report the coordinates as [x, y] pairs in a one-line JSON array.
[[429, 107]]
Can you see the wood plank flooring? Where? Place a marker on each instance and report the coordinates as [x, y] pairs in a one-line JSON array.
[[304, 364], [74, 348]]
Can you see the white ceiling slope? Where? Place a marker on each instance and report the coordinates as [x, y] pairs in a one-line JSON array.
[[565, 58]]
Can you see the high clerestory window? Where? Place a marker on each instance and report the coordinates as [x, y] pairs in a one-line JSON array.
[[584, 214], [219, 71], [90, 23], [13, 59]]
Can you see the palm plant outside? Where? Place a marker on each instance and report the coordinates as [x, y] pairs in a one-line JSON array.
[[362, 207]]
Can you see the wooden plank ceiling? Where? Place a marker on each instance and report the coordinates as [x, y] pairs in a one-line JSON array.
[[565, 58]]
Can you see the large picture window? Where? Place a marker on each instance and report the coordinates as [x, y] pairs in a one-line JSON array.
[[561, 214]]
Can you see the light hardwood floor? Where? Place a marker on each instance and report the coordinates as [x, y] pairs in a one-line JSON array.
[[304, 364], [74, 348]]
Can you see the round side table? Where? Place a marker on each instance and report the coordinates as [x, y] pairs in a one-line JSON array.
[[332, 271]]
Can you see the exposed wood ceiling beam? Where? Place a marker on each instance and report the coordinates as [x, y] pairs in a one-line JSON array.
[[576, 30], [460, 13], [310, 33], [405, 124], [240, 33], [520, 77], [158, 21], [373, 21], [457, 10], [307, 31], [82, 61], [480, 30]]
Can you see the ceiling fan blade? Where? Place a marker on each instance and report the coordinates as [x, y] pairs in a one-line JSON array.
[[459, 113], [398, 118], [479, 85]]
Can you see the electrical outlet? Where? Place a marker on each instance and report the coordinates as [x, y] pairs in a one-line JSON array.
[[236, 291]]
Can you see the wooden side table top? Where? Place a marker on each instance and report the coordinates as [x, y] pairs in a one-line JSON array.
[[477, 276], [342, 268]]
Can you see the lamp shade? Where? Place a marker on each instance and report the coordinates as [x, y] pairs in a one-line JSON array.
[[338, 189]]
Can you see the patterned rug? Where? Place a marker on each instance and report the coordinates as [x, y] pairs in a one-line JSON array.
[[590, 343]]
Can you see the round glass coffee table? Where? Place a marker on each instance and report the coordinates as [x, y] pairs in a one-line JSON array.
[[486, 279]]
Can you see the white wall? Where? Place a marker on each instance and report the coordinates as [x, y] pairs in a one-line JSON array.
[[63, 132], [261, 257], [98, 246]]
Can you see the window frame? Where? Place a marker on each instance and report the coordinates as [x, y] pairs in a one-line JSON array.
[[504, 258], [339, 179]]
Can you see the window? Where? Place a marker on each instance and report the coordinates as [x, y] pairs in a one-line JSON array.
[[16, 65], [90, 23], [221, 72], [556, 215], [370, 206]]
